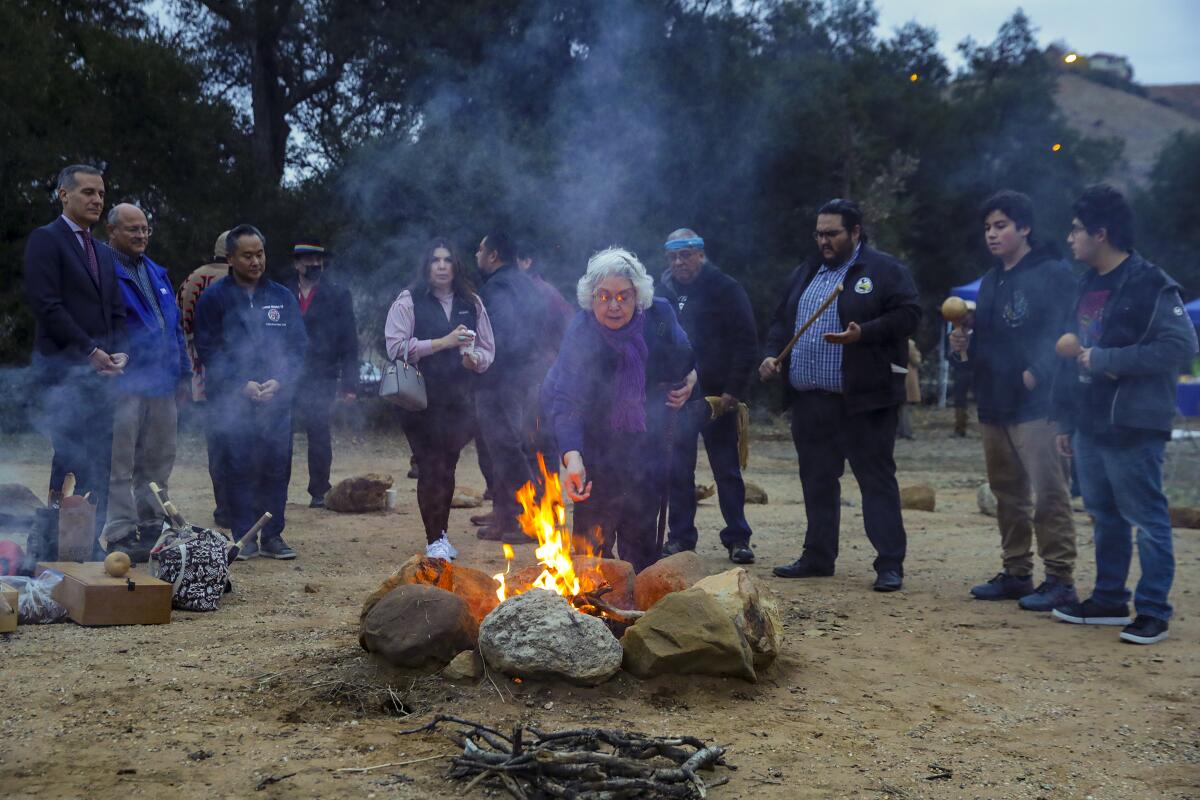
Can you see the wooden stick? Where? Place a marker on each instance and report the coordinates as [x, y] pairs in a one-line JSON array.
[[808, 324], [177, 520], [249, 536]]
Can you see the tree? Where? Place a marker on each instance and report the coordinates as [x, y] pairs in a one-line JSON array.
[[1168, 214]]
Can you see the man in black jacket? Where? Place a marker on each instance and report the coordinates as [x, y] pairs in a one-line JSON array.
[[1115, 404], [72, 291], [250, 337], [845, 382], [510, 385], [331, 360], [1022, 309], [715, 312]]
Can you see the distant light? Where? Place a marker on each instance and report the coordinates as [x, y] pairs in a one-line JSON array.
[[914, 77], [1070, 58], [1056, 147]]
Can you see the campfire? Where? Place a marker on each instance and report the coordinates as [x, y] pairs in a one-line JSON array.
[[544, 518]]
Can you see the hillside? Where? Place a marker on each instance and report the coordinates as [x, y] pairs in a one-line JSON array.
[[1103, 112]]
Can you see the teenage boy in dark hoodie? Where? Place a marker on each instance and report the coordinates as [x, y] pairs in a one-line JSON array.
[[1022, 308], [1115, 403]]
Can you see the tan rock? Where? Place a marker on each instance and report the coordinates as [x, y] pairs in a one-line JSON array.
[[705, 492], [465, 497], [466, 666], [671, 574], [477, 588], [360, 494], [687, 633], [1185, 517], [594, 571], [418, 569], [522, 579], [751, 607], [917, 498], [755, 494]]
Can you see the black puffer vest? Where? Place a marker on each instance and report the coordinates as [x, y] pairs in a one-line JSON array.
[[447, 381]]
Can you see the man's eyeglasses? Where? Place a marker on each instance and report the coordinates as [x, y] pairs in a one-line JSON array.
[[604, 298], [140, 231], [824, 236]]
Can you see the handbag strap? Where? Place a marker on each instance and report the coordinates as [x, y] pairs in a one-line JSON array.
[[182, 569]]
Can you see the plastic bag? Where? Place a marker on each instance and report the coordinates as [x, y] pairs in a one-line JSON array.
[[35, 605]]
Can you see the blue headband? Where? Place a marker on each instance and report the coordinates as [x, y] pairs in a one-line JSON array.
[[680, 244]]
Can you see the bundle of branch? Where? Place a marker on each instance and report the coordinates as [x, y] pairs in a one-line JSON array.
[[580, 764]]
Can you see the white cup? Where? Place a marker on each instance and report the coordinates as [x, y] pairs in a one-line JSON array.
[[390, 499]]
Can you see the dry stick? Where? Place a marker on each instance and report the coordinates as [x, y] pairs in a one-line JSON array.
[[808, 324], [392, 764], [237, 546]]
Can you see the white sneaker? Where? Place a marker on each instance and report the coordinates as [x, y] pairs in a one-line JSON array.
[[441, 549]]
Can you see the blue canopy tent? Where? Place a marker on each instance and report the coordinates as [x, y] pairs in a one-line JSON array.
[[969, 291], [1193, 311]]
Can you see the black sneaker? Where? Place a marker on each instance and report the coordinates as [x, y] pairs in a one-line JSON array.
[[1004, 587], [317, 502], [741, 553], [1089, 612], [671, 548], [276, 547], [249, 550], [1145, 630], [801, 569]]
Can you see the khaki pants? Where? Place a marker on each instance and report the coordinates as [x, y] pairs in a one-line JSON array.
[[1021, 461], [143, 450]]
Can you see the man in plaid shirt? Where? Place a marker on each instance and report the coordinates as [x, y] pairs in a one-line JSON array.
[[845, 384]]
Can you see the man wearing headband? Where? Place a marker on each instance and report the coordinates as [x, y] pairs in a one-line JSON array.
[[715, 312], [332, 359], [844, 380]]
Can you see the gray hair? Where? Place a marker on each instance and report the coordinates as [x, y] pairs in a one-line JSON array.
[[621, 263], [66, 177]]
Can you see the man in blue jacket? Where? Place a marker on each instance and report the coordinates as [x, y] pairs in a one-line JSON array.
[[845, 382], [76, 305], [145, 419], [250, 336], [1114, 404]]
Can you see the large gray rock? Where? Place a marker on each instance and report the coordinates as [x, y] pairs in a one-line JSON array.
[[418, 627], [687, 633], [539, 635], [751, 607], [359, 494], [986, 500]]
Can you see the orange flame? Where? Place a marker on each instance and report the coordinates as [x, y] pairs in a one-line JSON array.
[[500, 576], [545, 519]]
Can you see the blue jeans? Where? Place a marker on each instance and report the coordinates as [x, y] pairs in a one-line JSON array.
[[1122, 489]]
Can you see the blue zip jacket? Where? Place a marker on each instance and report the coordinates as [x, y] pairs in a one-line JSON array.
[[1146, 340], [242, 337], [158, 359]]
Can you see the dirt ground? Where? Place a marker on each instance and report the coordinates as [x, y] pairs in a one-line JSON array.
[[919, 694]]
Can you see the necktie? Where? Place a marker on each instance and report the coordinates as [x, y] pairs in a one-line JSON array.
[[93, 264]]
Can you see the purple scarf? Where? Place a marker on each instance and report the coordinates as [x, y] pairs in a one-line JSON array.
[[629, 395]]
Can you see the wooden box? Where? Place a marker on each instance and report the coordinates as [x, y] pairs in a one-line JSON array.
[[8, 619], [93, 597]]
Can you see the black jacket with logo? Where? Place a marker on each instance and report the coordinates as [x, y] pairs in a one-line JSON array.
[[1019, 316], [715, 313], [243, 336], [879, 295]]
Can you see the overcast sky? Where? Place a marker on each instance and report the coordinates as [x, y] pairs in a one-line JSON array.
[[1160, 37]]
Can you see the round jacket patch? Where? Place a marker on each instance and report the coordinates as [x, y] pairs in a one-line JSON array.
[[864, 285], [1179, 311], [273, 314]]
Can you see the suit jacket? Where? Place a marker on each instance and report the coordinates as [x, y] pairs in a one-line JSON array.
[[73, 314]]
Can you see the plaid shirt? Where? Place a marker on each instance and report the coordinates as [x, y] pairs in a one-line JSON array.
[[817, 364]]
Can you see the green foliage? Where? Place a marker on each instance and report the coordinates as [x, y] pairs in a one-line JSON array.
[[1169, 215]]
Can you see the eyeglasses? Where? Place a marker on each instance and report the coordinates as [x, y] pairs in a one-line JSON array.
[[604, 298], [140, 231], [822, 236]]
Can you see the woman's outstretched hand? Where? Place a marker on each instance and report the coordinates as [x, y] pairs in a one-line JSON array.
[[579, 488]]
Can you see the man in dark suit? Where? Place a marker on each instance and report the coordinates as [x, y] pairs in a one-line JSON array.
[[77, 306], [332, 359], [845, 381]]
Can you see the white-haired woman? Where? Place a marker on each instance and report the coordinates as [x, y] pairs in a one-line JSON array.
[[624, 364]]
